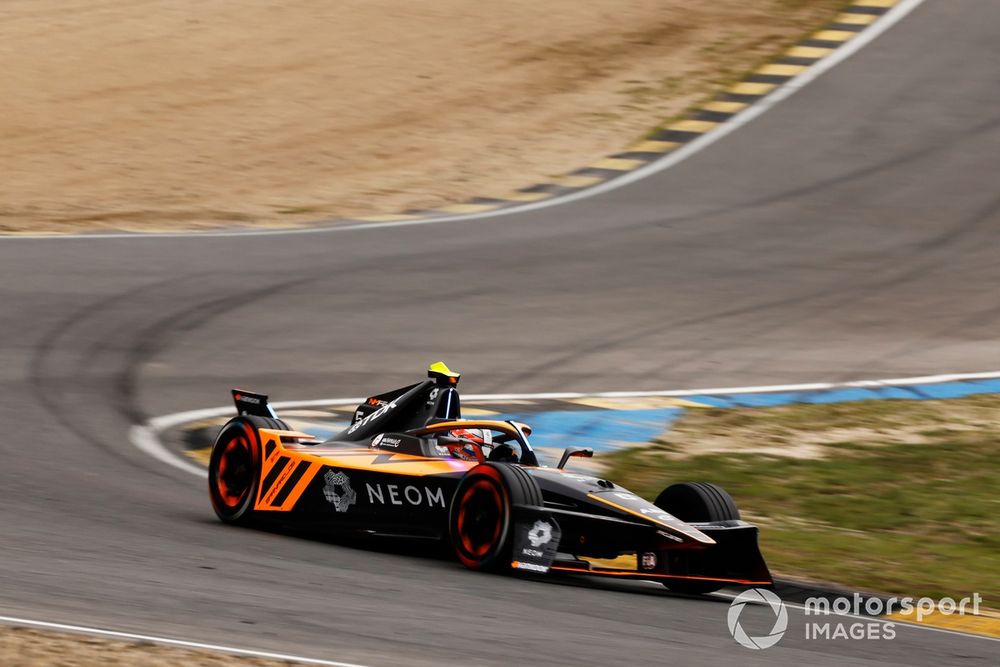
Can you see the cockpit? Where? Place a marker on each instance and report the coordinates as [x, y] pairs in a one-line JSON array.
[[467, 440]]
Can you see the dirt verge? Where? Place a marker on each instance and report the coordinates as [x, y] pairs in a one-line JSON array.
[[24, 647], [145, 114]]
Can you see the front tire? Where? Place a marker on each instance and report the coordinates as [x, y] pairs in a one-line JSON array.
[[480, 522], [234, 467], [697, 502]]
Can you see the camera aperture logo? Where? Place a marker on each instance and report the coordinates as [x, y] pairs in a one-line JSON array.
[[760, 596]]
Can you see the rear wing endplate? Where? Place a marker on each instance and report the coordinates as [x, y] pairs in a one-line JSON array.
[[249, 403]]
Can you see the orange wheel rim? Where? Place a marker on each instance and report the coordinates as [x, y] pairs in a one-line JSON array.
[[235, 472], [480, 518]]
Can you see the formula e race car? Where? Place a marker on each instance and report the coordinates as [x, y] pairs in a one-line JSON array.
[[410, 466]]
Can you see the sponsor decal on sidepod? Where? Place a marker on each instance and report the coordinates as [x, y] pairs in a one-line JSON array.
[[394, 494], [338, 491]]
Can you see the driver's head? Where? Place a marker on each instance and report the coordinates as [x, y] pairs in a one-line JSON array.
[[473, 437]]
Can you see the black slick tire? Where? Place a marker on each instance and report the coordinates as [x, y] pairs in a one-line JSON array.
[[480, 521], [234, 467]]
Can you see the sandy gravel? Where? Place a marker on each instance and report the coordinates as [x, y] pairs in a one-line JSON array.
[[23, 647], [156, 113]]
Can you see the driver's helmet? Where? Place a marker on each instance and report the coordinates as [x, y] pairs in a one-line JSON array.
[[474, 437]]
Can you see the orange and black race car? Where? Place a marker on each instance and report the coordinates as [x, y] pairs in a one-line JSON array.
[[409, 465]]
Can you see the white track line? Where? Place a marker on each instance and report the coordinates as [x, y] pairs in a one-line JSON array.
[[888, 20], [166, 641], [146, 437]]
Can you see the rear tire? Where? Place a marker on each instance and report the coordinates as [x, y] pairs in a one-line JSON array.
[[480, 522], [234, 467], [697, 502]]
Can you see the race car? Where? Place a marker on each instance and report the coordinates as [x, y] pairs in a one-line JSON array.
[[409, 465]]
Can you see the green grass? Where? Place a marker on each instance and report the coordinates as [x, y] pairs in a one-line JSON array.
[[892, 496]]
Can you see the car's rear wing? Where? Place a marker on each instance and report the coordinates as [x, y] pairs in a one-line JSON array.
[[249, 403]]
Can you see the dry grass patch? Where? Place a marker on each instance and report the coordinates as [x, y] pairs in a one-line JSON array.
[[901, 496], [814, 431]]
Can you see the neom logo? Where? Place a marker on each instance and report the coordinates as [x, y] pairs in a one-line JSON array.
[[407, 495]]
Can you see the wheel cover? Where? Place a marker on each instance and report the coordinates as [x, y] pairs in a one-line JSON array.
[[480, 518]]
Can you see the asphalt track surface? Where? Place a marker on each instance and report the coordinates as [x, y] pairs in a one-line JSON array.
[[851, 232]]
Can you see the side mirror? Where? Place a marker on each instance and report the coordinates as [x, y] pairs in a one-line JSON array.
[[524, 427], [583, 452]]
